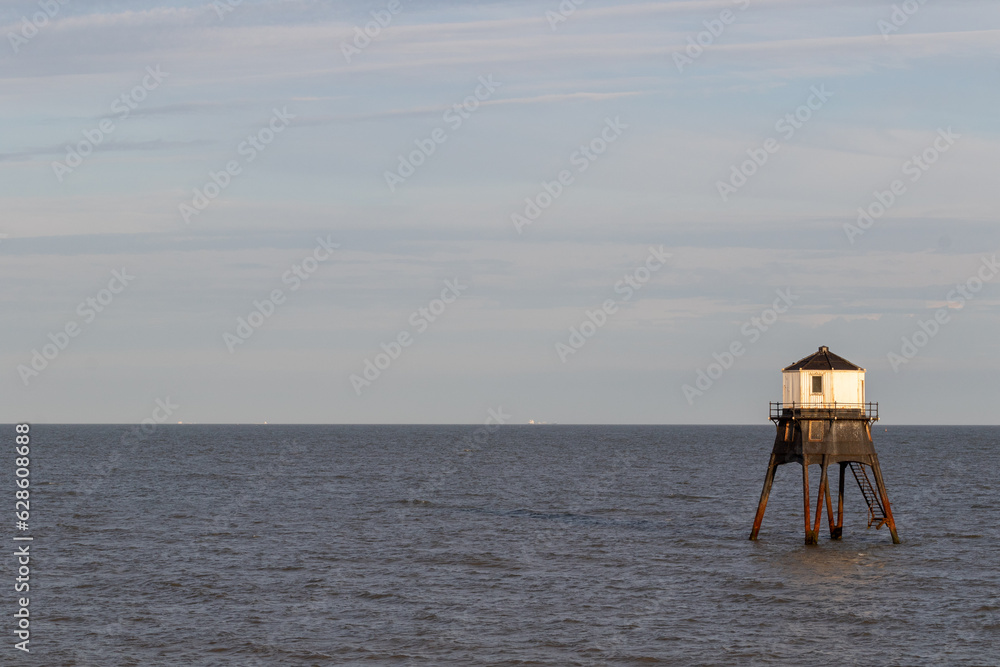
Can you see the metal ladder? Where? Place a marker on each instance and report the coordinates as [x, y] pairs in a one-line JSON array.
[[876, 513]]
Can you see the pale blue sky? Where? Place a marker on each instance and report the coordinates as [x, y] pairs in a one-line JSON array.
[[656, 184]]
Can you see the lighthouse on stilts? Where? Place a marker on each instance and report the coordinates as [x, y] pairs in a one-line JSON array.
[[823, 419]]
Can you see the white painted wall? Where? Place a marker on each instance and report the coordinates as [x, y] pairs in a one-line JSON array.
[[838, 387], [791, 391], [847, 386]]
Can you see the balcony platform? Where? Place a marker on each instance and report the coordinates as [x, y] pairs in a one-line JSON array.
[[832, 411]]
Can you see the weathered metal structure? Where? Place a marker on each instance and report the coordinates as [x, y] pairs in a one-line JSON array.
[[823, 419]]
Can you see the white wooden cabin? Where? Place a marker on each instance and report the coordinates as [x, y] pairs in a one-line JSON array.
[[823, 378]]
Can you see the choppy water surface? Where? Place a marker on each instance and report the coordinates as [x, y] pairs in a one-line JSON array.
[[541, 545]]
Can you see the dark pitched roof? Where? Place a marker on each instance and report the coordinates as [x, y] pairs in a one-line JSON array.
[[823, 360]]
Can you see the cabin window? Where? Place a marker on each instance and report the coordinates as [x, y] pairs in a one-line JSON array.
[[817, 384]]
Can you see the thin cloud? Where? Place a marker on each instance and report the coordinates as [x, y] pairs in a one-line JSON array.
[[110, 146], [538, 99]]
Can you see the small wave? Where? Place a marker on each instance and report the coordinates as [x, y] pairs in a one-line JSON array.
[[368, 595]]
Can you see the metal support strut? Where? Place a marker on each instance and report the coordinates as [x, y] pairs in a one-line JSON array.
[[765, 492], [810, 536]]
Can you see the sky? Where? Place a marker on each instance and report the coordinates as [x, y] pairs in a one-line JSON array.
[[419, 211]]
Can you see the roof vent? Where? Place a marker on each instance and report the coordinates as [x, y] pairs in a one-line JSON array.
[[824, 348]]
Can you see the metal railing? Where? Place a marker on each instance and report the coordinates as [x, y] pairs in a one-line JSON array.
[[832, 410]]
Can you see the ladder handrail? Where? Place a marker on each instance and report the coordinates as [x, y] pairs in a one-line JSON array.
[[869, 494]]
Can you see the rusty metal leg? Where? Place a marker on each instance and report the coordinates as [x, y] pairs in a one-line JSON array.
[[765, 492], [819, 499], [838, 531], [889, 521], [810, 538], [829, 509]]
